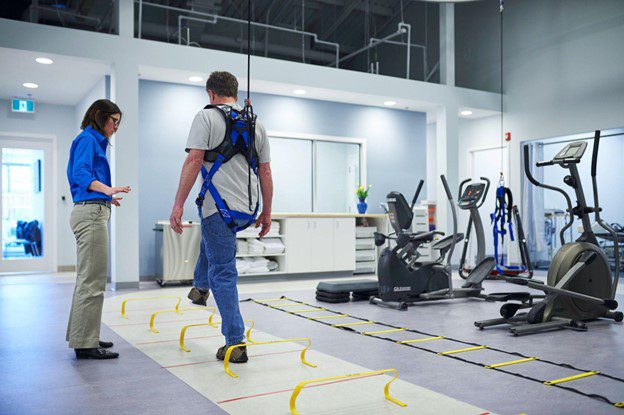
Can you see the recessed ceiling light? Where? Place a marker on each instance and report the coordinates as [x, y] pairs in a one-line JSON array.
[[30, 85], [44, 61], [466, 112], [299, 92], [389, 103], [196, 79]]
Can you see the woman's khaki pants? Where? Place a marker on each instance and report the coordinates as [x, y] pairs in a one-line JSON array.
[[90, 226]]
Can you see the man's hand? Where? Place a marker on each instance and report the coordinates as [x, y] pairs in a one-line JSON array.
[[176, 218], [264, 220], [116, 200], [114, 190]]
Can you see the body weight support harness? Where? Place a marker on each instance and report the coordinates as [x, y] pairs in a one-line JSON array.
[[240, 135], [502, 215]]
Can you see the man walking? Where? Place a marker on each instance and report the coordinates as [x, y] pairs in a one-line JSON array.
[[233, 173]]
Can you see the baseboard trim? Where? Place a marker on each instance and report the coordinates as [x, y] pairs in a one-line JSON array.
[[130, 285]]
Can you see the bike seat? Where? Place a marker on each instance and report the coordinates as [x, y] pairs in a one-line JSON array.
[[423, 237], [521, 280]]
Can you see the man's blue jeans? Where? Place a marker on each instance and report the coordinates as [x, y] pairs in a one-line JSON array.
[[216, 271]]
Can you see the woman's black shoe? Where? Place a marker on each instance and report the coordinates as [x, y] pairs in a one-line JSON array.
[[95, 353], [106, 345]]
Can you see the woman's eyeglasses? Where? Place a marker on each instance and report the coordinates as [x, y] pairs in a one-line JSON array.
[[116, 121]]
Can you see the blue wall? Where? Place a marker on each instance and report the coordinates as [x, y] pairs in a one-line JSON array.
[[396, 143]]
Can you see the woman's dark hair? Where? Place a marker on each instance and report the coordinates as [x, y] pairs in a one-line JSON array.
[[98, 113], [223, 84]]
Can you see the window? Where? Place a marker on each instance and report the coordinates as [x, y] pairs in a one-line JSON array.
[[316, 173]]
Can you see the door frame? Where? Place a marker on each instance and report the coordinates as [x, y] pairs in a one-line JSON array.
[[512, 254], [473, 150], [51, 236]]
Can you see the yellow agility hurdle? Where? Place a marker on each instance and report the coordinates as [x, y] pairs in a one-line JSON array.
[[213, 325], [226, 361], [301, 385], [123, 304], [178, 311]]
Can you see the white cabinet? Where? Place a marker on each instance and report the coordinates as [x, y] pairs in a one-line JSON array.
[[344, 244], [322, 249], [299, 245], [320, 244]]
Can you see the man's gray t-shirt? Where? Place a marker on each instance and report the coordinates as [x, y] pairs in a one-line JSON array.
[[232, 178]]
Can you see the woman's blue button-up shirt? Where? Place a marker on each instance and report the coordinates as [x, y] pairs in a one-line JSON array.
[[88, 162]]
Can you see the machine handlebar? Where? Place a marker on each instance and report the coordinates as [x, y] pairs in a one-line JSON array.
[[461, 186], [485, 192], [544, 163], [446, 187], [420, 185], [595, 153]]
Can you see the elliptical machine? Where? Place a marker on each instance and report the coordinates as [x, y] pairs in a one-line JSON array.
[[579, 285], [471, 198], [403, 280]]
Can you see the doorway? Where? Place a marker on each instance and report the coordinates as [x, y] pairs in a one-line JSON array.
[[27, 228], [486, 162]]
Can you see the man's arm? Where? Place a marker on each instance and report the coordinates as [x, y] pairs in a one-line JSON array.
[[266, 187], [190, 170]]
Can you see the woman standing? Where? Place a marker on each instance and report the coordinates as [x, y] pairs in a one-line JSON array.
[[89, 178]]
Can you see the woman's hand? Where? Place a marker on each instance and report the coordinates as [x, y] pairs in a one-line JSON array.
[[114, 190]]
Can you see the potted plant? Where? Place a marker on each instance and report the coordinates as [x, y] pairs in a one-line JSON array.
[[362, 194]]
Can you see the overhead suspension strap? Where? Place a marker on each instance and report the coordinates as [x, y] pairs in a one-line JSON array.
[[451, 354], [501, 9], [239, 139]]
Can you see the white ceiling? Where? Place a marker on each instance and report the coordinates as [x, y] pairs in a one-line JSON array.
[[279, 88], [64, 82]]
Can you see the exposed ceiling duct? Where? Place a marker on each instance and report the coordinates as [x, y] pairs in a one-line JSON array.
[[310, 31]]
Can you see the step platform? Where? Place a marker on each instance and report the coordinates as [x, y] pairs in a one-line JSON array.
[[342, 291]]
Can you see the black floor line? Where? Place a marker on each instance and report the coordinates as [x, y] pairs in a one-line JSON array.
[[517, 354]]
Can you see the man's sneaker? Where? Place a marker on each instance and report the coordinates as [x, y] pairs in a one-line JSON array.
[[238, 355], [198, 296]]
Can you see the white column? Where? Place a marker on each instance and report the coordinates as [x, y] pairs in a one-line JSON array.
[[447, 44], [432, 168], [125, 172], [446, 141], [124, 17]]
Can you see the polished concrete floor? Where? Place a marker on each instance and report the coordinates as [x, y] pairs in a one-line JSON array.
[[41, 376]]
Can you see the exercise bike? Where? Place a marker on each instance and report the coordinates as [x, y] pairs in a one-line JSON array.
[[579, 286], [404, 280]]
